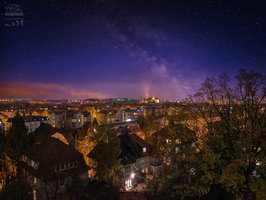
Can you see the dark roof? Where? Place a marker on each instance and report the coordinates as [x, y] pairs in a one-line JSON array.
[[31, 118], [94, 152], [85, 113], [151, 150], [53, 152], [45, 131], [42, 133], [85, 130], [132, 149], [123, 130], [129, 151]]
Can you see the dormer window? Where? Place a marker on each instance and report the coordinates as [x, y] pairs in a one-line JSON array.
[[144, 149], [35, 165]]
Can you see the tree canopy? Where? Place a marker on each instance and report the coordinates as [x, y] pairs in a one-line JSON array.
[[228, 157], [107, 153]]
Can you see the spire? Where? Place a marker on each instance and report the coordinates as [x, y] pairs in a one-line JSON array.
[[153, 97]]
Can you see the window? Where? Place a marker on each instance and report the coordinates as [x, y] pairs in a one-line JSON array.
[[128, 183], [146, 159], [35, 181], [144, 149], [35, 165], [127, 169], [142, 160], [145, 170], [75, 163], [71, 164], [62, 166], [34, 195]]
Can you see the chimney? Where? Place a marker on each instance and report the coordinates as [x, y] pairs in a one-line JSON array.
[[71, 141]]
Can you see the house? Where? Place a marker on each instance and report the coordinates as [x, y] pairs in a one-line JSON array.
[[194, 121], [83, 142], [85, 118], [56, 118], [168, 139], [139, 158], [128, 114], [3, 120], [32, 122], [106, 116], [76, 119], [54, 169], [44, 132], [132, 129]]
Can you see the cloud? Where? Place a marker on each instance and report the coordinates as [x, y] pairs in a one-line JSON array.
[[44, 90]]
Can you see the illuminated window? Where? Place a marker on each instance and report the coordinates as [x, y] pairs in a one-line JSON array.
[[144, 149], [34, 195], [128, 183], [146, 170]]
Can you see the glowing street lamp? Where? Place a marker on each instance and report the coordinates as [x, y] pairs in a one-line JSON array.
[[132, 175]]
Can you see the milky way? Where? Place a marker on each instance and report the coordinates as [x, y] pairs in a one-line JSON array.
[[83, 49]]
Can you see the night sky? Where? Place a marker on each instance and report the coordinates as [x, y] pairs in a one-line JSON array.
[[128, 48]]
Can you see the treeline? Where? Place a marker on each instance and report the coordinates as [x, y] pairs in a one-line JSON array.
[[217, 144]]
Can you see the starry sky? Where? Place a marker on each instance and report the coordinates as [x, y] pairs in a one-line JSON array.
[[128, 48]]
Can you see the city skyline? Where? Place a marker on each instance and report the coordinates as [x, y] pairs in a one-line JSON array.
[[112, 49]]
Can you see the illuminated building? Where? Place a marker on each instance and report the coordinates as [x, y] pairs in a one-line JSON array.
[[150, 100], [32, 122]]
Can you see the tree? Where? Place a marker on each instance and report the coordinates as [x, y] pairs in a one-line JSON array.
[[146, 127], [177, 144], [106, 154], [232, 154], [94, 121], [13, 143]]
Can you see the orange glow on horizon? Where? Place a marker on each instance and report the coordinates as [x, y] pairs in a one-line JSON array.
[[44, 90]]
